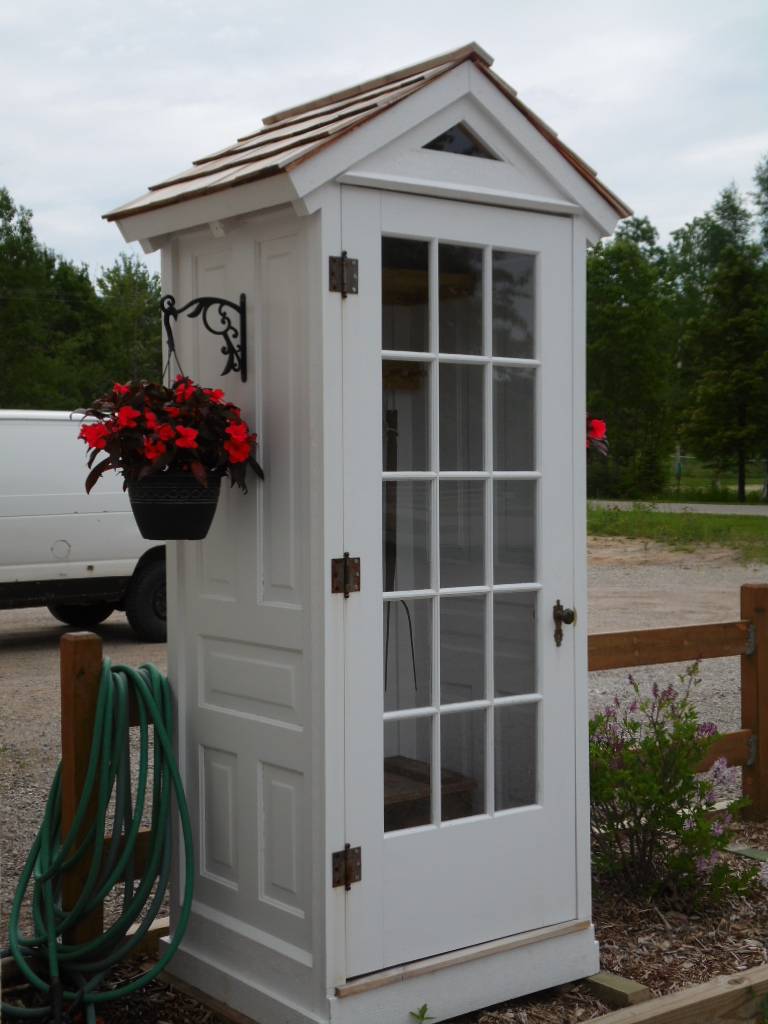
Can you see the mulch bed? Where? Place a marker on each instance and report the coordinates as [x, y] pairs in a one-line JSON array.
[[662, 949]]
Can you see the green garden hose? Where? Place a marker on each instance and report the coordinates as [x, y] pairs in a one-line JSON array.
[[75, 973]]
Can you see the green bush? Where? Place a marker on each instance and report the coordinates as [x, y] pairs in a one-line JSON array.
[[654, 833]]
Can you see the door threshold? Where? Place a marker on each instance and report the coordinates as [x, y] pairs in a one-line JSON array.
[[418, 968]]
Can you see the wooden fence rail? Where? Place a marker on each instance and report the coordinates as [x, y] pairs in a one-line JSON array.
[[746, 747]]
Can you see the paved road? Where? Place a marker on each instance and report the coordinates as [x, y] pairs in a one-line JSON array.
[[707, 509]]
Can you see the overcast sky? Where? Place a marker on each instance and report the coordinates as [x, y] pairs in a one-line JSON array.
[[668, 100]]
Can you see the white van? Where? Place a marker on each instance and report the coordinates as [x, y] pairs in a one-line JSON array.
[[79, 554]]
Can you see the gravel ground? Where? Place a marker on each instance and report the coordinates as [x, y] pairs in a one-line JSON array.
[[631, 584]]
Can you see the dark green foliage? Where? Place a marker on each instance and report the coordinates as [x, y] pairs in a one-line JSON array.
[[61, 339], [726, 415], [130, 303], [720, 277], [653, 830], [630, 360]]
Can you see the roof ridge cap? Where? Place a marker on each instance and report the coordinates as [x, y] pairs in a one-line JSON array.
[[470, 51]]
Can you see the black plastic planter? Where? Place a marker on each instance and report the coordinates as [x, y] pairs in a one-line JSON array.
[[174, 506]]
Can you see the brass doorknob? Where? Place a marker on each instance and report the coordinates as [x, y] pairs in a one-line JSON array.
[[562, 617]]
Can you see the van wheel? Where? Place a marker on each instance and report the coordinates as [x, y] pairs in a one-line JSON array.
[[145, 602], [81, 614]]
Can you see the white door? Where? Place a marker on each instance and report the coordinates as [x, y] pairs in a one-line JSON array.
[[458, 426]]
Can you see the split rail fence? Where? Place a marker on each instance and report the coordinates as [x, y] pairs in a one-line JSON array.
[[746, 747]]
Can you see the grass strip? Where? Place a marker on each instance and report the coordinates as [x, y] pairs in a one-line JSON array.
[[746, 535]]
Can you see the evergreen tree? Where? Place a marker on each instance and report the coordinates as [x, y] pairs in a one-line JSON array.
[[62, 341], [629, 360], [48, 314], [130, 306], [722, 309]]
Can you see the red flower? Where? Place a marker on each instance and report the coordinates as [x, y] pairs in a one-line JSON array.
[[165, 432], [173, 412], [120, 389], [596, 430], [153, 450], [238, 431], [184, 391], [186, 437], [95, 435], [150, 419], [238, 450], [215, 395], [127, 416]]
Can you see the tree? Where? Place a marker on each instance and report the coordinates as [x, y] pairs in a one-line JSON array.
[[48, 313], [130, 306], [760, 197], [727, 411], [722, 292], [63, 341], [629, 360]]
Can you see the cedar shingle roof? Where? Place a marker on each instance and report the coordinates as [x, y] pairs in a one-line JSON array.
[[291, 136]]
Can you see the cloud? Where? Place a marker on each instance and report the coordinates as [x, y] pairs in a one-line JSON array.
[[665, 99]]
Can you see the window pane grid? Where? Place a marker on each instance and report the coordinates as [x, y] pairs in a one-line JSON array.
[[457, 358], [461, 762]]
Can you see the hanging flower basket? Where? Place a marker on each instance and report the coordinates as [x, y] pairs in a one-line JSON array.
[[174, 506], [173, 446]]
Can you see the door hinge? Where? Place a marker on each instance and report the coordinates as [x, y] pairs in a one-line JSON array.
[[347, 866], [345, 575], [342, 275]]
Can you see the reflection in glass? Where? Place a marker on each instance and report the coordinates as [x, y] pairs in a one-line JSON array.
[[514, 643], [406, 505], [461, 417], [514, 531], [514, 392], [513, 304], [405, 294], [461, 299], [462, 533], [462, 141], [405, 419], [515, 755], [407, 654], [462, 753], [462, 648], [407, 781]]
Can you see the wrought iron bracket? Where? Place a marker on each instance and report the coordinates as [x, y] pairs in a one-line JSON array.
[[224, 325]]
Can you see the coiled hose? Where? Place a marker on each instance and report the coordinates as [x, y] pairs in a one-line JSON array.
[[76, 972]]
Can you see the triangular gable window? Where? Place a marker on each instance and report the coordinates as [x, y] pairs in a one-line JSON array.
[[461, 140]]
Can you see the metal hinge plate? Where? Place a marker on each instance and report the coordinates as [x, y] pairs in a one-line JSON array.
[[347, 866], [342, 275], [345, 575]]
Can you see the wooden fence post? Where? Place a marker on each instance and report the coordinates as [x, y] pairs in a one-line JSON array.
[[754, 698], [80, 655]]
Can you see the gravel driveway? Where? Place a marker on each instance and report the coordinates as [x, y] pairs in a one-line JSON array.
[[632, 584]]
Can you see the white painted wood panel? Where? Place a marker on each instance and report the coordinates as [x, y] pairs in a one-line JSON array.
[[243, 664], [444, 886]]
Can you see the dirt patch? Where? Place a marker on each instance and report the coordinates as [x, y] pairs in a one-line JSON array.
[[638, 584]]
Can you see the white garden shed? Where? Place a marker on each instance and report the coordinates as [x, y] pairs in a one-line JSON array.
[[386, 759]]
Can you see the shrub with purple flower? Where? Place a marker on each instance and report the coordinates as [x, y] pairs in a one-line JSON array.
[[653, 828]]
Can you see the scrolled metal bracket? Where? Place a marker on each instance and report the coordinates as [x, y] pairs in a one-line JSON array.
[[231, 329]]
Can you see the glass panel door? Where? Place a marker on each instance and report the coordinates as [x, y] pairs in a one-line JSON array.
[[459, 380], [457, 495]]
